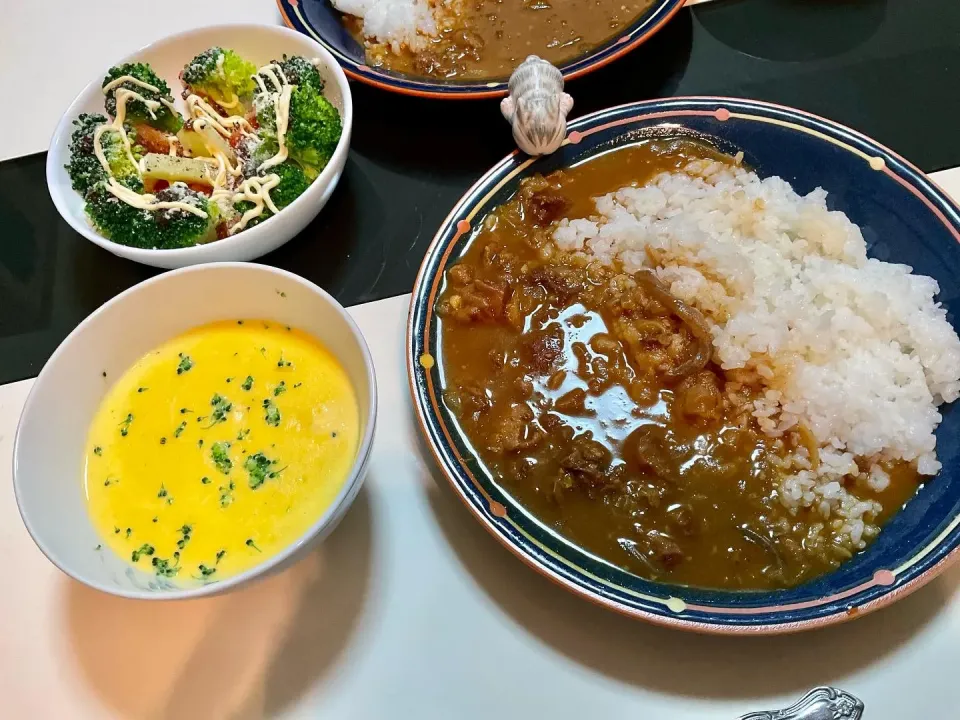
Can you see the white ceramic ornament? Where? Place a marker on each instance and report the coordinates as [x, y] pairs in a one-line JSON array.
[[537, 106]]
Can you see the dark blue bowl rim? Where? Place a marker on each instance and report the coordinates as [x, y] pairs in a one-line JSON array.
[[885, 586], [648, 23]]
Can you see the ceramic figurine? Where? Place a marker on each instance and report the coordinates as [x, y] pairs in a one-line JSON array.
[[537, 106]]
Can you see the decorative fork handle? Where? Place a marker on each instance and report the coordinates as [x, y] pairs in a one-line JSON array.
[[822, 703]]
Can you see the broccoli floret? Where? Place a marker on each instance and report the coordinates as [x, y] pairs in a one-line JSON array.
[[300, 71], [241, 207], [226, 82], [313, 131], [85, 169], [266, 109], [293, 182], [162, 117], [163, 229]]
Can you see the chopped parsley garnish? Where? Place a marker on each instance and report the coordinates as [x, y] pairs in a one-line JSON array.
[[271, 413], [164, 568], [206, 571], [243, 433], [184, 411], [106, 483], [142, 389], [221, 406], [220, 554], [248, 383], [251, 544], [204, 480], [116, 530], [180, 428], [129, 532], [163, 491], [281, 363], [144, 549], [200, 443], [163, 441], [226, 494], [185, 536], [98, 451], [296, 385], [220, 452], [280, 389], [259, 467], [98, 547], [155, 518], [125, 425], [186, 362]]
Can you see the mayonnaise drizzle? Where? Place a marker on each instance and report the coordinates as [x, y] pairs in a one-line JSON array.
[[121, 192], [129, 79], [149, 202], [256, 190], [281, 104], [283, 120], [123, 97], [203, 113], [224, 168]]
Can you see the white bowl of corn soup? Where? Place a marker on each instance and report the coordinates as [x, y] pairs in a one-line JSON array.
[[201, 429], [260, 44]]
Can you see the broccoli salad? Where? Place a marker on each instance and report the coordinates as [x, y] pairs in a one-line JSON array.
[[251, 142]]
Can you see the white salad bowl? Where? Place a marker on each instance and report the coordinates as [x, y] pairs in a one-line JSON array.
[[48, 453], [258, 43]]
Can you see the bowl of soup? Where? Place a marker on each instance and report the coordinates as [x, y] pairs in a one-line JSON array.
[[201, 429], [701, 365], [468, 49]]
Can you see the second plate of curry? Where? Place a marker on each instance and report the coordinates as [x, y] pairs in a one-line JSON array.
[[468, 48]]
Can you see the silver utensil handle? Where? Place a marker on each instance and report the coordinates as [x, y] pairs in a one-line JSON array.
[[822, 703]]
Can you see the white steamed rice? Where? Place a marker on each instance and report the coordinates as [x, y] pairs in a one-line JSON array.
[[855, 349], [397, 23]]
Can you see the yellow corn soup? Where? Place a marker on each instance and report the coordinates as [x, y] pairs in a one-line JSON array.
[[219, 449]]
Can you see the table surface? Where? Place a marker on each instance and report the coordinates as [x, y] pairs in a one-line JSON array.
[[410, 609], [880, 66]]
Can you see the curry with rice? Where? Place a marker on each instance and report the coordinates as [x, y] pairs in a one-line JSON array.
[[482, 39], [591, 395]]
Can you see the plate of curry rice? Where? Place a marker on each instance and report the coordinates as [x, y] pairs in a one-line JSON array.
[[456, 49], [700, 365]]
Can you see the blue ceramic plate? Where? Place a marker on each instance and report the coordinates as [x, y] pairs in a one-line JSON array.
[[905, 218], [319, 20]]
